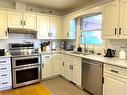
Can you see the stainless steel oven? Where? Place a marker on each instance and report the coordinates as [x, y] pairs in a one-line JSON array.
[[26, 75], [25, 70], [25, 61]]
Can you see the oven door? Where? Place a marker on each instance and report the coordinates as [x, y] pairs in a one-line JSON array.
[[26, 75], [18, 62]]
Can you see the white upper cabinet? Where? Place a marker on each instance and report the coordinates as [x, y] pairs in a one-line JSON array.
[[3, 25], [56, 26], [21, 20], [123, 18], [69, 28], [14, 19], [43, 26], [114, 24], [29, 20], [110, 20]]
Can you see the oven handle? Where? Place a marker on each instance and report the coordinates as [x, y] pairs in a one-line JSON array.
[[26, 67]]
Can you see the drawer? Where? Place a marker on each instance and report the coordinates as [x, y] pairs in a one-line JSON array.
[[115, 70], [77, 59], [56, 56], [68, 57], [5, 83], [4, 75], [47, 56], [5, 61], [4, 68]]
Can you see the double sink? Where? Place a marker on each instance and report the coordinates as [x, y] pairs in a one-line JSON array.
[[80, 53]]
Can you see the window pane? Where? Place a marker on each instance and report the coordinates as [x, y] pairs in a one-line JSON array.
[[92, 23], [93, 37]]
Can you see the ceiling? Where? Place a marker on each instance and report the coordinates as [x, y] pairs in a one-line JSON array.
[[59, 5]]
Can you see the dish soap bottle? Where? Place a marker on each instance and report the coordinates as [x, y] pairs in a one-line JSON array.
[[122, 53]]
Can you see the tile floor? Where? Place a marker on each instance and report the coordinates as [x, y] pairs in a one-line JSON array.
[[59, 86]]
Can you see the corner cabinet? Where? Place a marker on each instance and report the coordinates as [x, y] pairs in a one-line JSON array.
[[21, 20], [114, 20], [3, 25], [69, 28], [115, 80]]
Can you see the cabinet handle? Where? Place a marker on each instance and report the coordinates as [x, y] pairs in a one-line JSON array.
[[115, 31], [114, 71], [21, 22], [46, 56], [72, 67], [24, 22], [120, 30], [63, 63], [49, 34], [3, 68], [4, 75], [3, 61], [67, 34], [42, 65], [4, 83]]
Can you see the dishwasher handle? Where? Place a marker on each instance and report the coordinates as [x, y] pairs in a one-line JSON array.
[[92, 63]]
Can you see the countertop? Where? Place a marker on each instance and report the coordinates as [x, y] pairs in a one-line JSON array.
[[106, 60]]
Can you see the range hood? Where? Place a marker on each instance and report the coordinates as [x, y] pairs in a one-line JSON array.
[[22, 31]]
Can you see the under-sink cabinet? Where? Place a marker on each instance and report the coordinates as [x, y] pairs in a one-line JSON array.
[[71, 68], [115, 80], [5, 74]]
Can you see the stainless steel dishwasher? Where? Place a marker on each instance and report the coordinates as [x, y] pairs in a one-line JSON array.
[[92, 76]]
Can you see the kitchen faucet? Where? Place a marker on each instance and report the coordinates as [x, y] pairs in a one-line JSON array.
[[84, 43]]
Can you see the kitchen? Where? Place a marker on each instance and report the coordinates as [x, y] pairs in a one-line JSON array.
[[72, 48]]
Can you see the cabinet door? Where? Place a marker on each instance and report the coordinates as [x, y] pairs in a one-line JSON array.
[[62, 67], [56, 26], [110, 20], [15, 19], [43, 26], [77, 75], [68, 71], [3, 25], [29, 20], [114, 85], [47, 66], [56, 64], [66, 21], [123, 18]]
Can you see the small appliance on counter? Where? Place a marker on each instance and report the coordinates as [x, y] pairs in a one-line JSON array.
[[109, 52], [122, 53], [68, 47], [2, 52], [79, 49]]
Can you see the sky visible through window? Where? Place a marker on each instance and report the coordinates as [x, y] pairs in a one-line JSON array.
[[91, 30]]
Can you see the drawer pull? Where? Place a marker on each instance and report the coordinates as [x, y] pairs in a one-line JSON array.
[[4, 75], [46, 56], [4, 83], [3, 61], [3, 68], [114, 71]]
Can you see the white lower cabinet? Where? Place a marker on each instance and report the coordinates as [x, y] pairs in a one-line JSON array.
[[71, 68], [114, 83], [56, 64], [5, 74], [46, 65]]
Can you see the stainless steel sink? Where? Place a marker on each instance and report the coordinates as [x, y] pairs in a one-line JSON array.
[[80, 53]]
